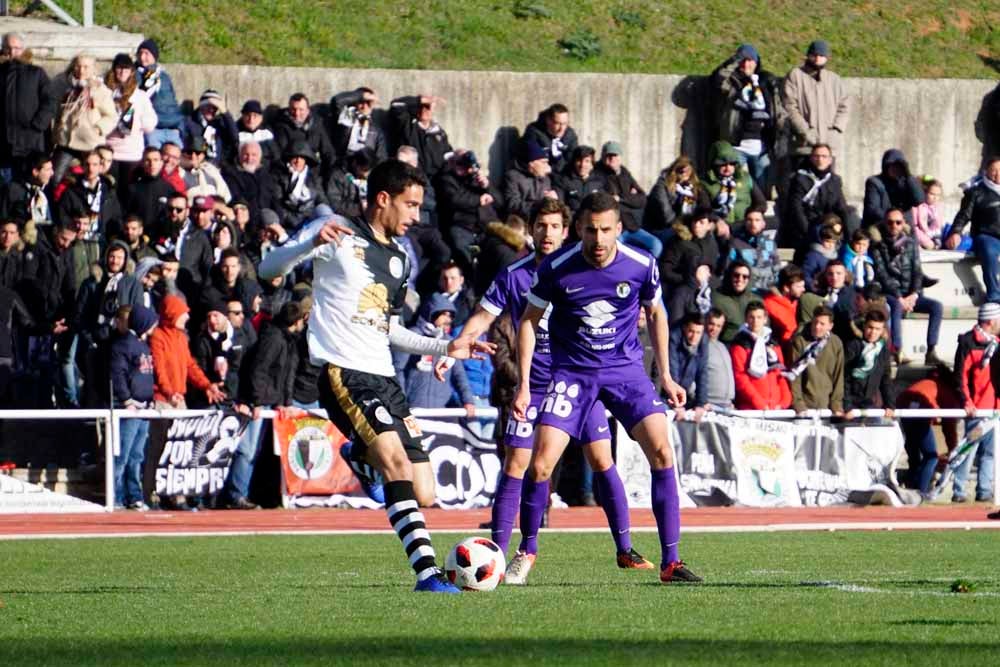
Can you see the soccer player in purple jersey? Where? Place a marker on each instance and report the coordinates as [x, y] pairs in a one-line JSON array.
[[595, 290], [509, 293]]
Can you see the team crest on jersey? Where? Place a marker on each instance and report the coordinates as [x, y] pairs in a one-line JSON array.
[[373, 304], [383, 415], [359, 253], [396, 267], [623, 290]]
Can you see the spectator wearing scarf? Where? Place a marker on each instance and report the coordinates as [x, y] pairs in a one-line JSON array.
[[676, 193], [817, 370], [136, 119], [297, 186], [87, 115], [747, 110], [154, 80], [212, 122], [813, 193], [867, 368], [757, 365], [729, 186]]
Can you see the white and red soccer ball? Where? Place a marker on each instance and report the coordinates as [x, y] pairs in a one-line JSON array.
[[475, 564]]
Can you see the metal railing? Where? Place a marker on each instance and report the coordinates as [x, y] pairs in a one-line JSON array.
[[61, 14], [112, 425]]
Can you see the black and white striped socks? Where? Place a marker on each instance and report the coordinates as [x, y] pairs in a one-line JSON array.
[[408, 522]]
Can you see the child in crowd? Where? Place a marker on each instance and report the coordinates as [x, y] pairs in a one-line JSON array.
[[820, 254], [132, 386], [928, 218], [855, 256]]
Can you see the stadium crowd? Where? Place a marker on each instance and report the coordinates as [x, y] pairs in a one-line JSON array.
[[130, 234]]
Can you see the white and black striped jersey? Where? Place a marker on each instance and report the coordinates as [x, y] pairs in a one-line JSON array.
[[358, 287]]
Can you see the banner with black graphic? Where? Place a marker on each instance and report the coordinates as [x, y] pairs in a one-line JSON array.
[[314, 475], [193, 454], [724, 460]]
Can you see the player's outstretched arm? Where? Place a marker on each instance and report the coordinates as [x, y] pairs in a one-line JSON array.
[[659, 335], [302, 246], [525, 351]]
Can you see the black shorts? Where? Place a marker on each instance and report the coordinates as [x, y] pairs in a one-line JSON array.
[[363, 405]]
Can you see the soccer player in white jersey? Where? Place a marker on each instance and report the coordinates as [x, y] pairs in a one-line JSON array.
[[359, 283]]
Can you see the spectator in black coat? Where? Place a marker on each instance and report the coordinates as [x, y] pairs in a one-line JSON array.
[[981, 206], [219, 347], [298, 124], [414, 125], [249, 180], [689, 363], [692, 297], [213, 123], [189, 245], [630, 196], [251, 127], [577, 179], [676, 193], [347, 188], [814, 192], [894, 187], [353, 127], [694, 243], [466, 202], [297, 186], [150, 193], [14, 317], [868, 368], [94, 193], [27, 106], [552, 132], [28, 196], [267, 377], [453, 287], [528, 182]]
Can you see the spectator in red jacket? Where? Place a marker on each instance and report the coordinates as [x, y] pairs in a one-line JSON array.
[[782, 303], [977, 371], [757, 365]]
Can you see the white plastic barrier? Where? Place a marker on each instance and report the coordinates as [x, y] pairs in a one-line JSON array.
[[113, 418]]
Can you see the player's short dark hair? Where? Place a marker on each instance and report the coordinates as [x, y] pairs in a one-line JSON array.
[[548, 207], [754, 306], [229, 252], [835, 262], [558, 107], [875, 315], [692, 318], [860, 235], [598, 202], [151, 149], [393, 177], [822, 311], [790, 275], [451, 264], [135, 218], [714, 313], [581, 152], [754, 209], [37, 160]]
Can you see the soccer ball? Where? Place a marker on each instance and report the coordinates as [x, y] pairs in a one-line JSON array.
[[475, 564]]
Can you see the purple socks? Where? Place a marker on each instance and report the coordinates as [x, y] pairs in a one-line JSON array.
[[505, 505], [666, 509], [534, 500], [611, 493]]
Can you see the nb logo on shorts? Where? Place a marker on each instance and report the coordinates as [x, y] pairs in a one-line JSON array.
[[523, 429], [555, 401]]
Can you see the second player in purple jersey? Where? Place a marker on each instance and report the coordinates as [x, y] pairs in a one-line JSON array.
[[593, 293], [507, 296]]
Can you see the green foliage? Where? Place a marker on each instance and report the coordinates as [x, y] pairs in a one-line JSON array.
[[526, 9], [628, 18], [581, 44]]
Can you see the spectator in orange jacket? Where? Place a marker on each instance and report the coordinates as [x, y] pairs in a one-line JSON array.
[[934, 392], [173, 364], [757, 365]]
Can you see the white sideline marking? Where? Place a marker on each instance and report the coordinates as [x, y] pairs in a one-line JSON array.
[[855, 588], [766, 528]]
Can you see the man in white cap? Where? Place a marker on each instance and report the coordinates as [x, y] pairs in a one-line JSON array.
[[213, 123], [977, 376]]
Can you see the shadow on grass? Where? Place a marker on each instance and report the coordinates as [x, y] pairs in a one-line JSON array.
[[307, 649], [943, 622]]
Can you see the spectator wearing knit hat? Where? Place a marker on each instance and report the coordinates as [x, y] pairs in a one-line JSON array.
[[213, 123], [136, 119], [816, 103], [252, 127], [153, 79]]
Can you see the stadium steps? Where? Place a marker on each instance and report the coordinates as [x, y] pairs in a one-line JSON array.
[[83, 482]]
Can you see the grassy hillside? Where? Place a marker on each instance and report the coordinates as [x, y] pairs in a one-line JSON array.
[[934, 38]]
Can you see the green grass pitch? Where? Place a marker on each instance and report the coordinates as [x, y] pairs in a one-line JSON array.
[[850, 598]]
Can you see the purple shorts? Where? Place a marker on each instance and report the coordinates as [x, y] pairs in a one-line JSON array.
[[625, 390], [521, 435]]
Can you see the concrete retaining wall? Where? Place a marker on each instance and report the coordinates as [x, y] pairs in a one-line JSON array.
[[932, 121]]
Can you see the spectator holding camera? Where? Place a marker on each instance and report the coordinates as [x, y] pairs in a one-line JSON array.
[[212, 123], [414, 125], [466, 202], [353, 127]]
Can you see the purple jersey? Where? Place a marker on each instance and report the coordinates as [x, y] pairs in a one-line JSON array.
[[509, 292], [593, 321]]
